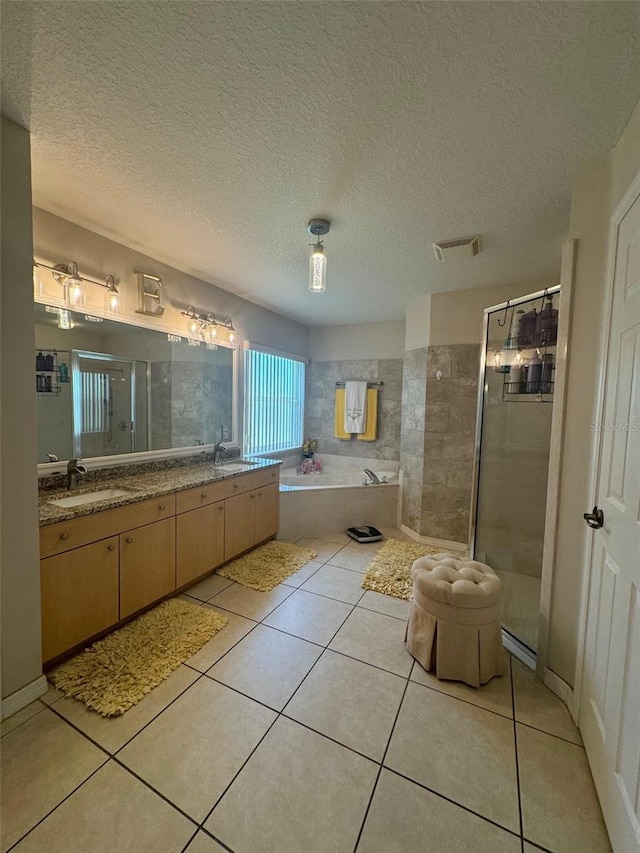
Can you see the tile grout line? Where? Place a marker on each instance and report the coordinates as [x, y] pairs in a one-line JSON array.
[[278, 716], [384, 755], [515, 749]]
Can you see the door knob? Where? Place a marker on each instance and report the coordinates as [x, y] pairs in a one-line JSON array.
[[595, 518]]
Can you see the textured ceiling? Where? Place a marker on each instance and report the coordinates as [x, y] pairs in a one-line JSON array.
[[206, 134]]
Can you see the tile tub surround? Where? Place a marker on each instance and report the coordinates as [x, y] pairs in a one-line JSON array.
[[278, 715], [311, 511], [414, 390], [142, 485], [321, 378]]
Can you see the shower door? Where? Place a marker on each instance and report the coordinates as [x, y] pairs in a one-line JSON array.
[[103, 404], [512, 454]]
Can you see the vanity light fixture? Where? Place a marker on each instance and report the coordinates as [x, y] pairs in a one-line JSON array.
[[68, 276], [92, 319], [203, 328], [231, 333], [318, 260]]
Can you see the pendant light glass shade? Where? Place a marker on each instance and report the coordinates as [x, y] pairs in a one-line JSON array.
[[64, 319], [317, 269]]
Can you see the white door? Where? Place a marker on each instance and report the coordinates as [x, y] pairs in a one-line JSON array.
[[610, 695]]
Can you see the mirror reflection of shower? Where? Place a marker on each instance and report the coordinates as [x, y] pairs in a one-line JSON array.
[[104, 403], [512, 454]]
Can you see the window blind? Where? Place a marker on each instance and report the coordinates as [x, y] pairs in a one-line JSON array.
[[273, 402]]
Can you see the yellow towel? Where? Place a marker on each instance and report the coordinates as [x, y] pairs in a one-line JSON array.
[[339, 420], [371, 432]]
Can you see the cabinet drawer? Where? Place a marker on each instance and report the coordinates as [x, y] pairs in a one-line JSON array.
[[57, 538], [252, 480], [201, 496]]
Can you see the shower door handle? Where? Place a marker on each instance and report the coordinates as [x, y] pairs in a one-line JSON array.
[[595, 518]]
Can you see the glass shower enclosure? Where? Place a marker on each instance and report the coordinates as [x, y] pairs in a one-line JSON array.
[[513, 435]]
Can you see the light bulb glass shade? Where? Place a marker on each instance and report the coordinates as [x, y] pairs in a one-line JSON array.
[[317, 269], [64, 319], [232, 336], [111, 296], [75, 293]]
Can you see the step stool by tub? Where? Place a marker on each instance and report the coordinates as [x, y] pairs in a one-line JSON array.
[[454, 619]]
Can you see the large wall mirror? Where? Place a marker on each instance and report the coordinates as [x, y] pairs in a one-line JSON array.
[[106, 388]]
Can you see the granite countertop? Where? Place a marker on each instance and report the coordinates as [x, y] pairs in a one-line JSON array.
[[142, 486]]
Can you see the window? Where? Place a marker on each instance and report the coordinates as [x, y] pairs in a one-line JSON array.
[[273, 401]]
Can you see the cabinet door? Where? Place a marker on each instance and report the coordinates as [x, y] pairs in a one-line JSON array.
[[239, 524], [267, 512], [79, 595], [199, 542], [147, 565]]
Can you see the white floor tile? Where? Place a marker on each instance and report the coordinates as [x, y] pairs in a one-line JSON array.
[[267, 665], [311, 617], [192, 751], [376, 639], [111, 812], [303, 793], [333, 582], [336, 699], [458, 750], [405, 818]]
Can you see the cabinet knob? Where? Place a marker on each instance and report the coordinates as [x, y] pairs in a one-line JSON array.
[[220, 509], [64, 536], [235, 485], [259, 494], [162, 507], [129, 539], [253, 497], [203, 495], [111, 547]]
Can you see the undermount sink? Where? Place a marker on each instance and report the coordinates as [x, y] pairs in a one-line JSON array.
[[234, 466], [90, 497]]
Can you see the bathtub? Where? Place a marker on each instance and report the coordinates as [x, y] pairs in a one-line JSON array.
[[329, 502]]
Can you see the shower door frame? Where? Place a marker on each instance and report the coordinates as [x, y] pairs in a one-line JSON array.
[[537, 660]]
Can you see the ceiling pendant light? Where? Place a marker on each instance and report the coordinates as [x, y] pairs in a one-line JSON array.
[[64, 319], [318, 261]]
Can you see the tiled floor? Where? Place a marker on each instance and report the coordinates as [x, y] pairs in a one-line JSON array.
[[304, 726]]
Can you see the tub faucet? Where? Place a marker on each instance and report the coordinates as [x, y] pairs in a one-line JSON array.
[[373, 479], [73, 469], [218, 450]]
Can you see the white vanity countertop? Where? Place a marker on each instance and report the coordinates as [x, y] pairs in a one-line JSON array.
[[143, 486]]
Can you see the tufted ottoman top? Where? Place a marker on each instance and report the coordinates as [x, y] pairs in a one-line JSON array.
[[459, 582]]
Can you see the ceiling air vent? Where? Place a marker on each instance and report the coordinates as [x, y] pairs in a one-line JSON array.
[[461, 247]]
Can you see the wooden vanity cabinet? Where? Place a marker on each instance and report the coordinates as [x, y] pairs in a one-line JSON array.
[[101, 568], [147, 565], [199, 542], [79, 595], [250, 518]]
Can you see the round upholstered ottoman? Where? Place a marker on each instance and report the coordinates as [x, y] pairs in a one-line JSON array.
[[454, 619]]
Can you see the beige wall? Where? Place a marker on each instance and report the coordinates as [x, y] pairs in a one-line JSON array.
[[597, 191], [418, 323], [357, 341], [20, 570], [456, 317]]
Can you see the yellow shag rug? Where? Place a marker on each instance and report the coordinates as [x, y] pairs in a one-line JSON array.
[[390, 570], [117, 672], [267, 566]]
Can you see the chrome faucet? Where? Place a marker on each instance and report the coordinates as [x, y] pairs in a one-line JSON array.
[[73, 469], [218, 450], [372, 478]]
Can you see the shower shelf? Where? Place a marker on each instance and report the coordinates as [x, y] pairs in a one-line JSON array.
[[54, 388]]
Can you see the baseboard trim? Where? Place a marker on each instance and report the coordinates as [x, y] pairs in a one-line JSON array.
[[562, 690], [23, 697], [445, 544], [518, 650]]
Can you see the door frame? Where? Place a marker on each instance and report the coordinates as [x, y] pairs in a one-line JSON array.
[[621, 210]]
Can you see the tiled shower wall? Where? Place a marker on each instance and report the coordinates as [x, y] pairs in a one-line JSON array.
[[438, 432], [320, 406], [412, 432], [449, 438]]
